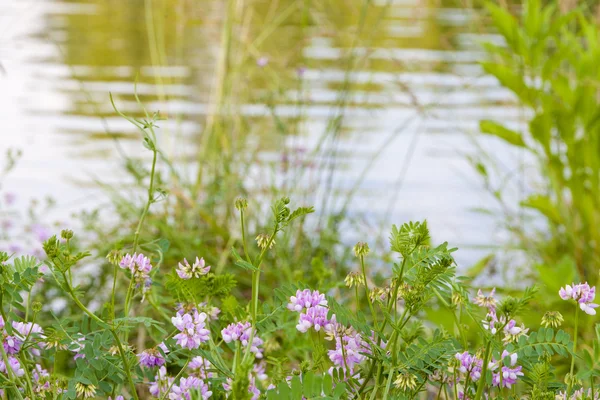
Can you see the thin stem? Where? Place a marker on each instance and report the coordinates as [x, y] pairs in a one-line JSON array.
[[364, 272], [112, 298], [482, 380], [570, 384], [244, 235], [149, 202], [164, 396]]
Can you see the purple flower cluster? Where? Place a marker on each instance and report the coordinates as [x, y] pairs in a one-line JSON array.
[[200, 367], [151, 358], [470, 365], [305, 299], [493, 323], [196, 270], [140, 267], [508, 375], [583, 294], [183, 391], [187, 388], [350, 347], [32, 332], [192, 327], [242, 331]]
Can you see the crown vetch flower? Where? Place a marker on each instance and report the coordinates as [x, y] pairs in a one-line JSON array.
[[583, 294], [196, 270], [199, 367], [186, 385], [192, 327], [470, 365], [241, 331], [314, 317], [151, 358], [306, 299], [508, 375], [486, 301]]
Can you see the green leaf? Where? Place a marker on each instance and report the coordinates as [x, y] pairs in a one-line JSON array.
[[508, 135], [240, 262]]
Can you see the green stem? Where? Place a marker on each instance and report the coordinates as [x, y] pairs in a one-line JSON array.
[[570, 384], [148, 203], [244, 235], [482, 380], [164, 396], [364, 272], [112, 298]]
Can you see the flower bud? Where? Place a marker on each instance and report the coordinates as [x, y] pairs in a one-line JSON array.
[[66, 234], [552, 319], [361, 249], [263, 240], [36, 306], [241, 203]]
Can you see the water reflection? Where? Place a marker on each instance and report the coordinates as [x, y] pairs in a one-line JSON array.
[[399, 77]]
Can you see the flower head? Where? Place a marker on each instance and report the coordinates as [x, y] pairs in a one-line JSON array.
[[583, 294], [84, 390], [354, 279], [406, 381], [192, 327], [242, 331], [196, 270], [486, 301], [151, 358], [552, 319], [306, 299]]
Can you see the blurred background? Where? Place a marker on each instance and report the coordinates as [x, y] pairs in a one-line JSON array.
[[369, 109]]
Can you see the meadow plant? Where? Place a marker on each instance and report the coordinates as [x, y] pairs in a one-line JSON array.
[[202, 341]]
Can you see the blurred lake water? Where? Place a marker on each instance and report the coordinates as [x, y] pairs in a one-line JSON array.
[[412, 98]]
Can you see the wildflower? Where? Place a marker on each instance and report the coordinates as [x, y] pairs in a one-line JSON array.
[[12, 344], [14, 364], [306, 299], [199, 367], [263, 240], [314, 317], [242, 332], [508, 375], [406, 381], [552, 319], [354, 279], [84, 390], [241, 203], [117, 398], [139, 266], [486, 301], [583, 294], [192, 329], [361, 249], [182, 391], [25, 330], [196, 270], [512, 332], [151, 358], [349, 351], [470, 365]]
